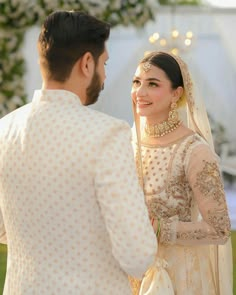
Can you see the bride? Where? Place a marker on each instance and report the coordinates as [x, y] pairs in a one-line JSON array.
[[180, 175]]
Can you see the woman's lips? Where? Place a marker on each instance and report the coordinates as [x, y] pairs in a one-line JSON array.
[[143, 104]]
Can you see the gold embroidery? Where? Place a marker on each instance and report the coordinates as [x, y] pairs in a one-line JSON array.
[[159, 209], [166, 233], [197, 234], [169, 193], [221, 222], [178, 185], [209, 182]]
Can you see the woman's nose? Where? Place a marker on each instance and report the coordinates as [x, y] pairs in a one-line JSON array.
[[141, 91]]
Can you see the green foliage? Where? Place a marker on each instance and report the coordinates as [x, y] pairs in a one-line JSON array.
[[12, 69], [17, 15], [180, 2], [3, 261], [233, 237]]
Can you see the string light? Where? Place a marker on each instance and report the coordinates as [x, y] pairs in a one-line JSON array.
[[175, 42]]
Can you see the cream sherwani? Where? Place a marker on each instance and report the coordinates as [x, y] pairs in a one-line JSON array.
[[71, 210]]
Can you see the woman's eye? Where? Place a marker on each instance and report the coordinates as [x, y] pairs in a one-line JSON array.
[[136, 82], [153, 84]]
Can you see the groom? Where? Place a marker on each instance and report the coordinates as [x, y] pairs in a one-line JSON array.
[[71, 209]]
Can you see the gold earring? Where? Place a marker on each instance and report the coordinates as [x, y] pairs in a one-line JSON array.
[[173, 116]]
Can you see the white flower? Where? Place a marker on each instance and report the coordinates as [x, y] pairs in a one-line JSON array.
[[115, 4], [114, 17], [2, 98], [94, 8], [138, 9], [3, 110], [132, 2], [16, 100], [153, 4], [21, 13], [11, 106]]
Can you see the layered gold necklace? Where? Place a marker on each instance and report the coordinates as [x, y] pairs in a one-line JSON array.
[[165, 127], [161, 129]]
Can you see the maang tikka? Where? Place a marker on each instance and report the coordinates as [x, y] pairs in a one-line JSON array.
[[146, 66]]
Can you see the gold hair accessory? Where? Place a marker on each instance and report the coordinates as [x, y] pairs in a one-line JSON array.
[[165, 127], [147, 66]]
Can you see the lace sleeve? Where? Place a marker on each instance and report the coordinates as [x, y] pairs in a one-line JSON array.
[[204, 177]]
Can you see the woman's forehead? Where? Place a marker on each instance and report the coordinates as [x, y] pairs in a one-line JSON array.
[[152, 72]]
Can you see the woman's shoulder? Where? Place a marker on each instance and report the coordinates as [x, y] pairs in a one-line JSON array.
[[195, 143], [195, 140], [196, 146]]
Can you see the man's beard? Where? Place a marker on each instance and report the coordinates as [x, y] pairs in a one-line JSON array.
[[94, 89]]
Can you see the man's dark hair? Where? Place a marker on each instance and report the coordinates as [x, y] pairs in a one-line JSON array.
[[65, 37]]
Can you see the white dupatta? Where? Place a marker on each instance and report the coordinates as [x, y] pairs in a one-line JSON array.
[[156, 280]]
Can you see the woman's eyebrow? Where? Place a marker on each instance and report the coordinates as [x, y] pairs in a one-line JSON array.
[[151, 79], [148, 79]]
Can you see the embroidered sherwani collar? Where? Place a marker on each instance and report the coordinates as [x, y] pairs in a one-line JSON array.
[[54, 95]]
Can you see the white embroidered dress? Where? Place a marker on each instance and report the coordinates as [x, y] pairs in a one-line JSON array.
[[180, 180]]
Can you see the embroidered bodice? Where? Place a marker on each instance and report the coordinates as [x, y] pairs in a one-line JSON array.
[[181, 180]]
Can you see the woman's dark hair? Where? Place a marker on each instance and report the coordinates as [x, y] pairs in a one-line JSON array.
[[168, 64], [65, 37]]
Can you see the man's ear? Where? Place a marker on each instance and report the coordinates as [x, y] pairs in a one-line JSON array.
[[87, 64]]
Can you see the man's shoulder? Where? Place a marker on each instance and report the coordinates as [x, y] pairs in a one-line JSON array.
[[16, 115], [107, 121]]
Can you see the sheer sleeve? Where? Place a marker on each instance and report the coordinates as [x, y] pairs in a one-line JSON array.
[[213, 227]]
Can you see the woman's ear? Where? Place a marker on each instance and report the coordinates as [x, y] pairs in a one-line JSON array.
[[178, 92], [87, 64]]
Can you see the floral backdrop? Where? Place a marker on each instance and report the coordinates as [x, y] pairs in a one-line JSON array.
[[17, 15]]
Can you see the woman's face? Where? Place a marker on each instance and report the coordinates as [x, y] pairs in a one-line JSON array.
[[152, 94]]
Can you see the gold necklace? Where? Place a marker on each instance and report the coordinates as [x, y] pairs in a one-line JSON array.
[[161, 129]]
